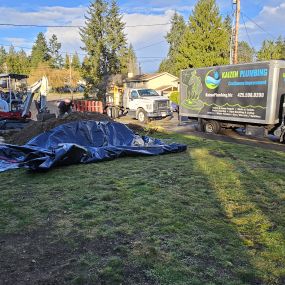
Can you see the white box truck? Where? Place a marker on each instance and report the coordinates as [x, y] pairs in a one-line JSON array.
[[233, 96]]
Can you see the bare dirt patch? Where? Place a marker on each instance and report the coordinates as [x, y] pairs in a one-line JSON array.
[[40, 257]]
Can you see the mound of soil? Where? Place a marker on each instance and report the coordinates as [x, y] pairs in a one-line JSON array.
[[136, 128], [35, 128]]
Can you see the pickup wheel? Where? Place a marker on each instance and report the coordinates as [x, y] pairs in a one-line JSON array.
[[112, 112], [109, 112], [211, 127], [142, 116]]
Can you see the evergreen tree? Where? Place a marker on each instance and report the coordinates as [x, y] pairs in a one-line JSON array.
[[206, 40], [116, 41], [75, 61], [174, 38], [269, 50], [280, 47], [17, 62], [165, 66], [132, 61], [228, 22], [67, 61], [245, 52], [11, 60], [56, 59], [40, 51], [93, 36], [105, 44], [24, 62], [3, 55]]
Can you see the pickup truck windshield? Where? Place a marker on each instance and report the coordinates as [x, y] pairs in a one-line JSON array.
[[147, 92]]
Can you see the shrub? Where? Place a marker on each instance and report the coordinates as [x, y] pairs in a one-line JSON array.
[[174, 97]]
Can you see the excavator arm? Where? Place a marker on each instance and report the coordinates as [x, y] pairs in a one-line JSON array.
[[41, 86]]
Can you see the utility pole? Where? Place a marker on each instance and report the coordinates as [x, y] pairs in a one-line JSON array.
[[70, 76], [237, 3]]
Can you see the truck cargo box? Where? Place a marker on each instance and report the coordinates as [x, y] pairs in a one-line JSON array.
[[250, 93]]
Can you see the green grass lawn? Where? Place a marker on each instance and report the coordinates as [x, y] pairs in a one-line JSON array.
[[212, 215]]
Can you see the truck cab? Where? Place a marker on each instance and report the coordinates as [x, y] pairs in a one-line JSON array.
[[144, 104]]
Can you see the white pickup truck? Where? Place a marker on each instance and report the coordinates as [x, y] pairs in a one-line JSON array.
[[144, 104]]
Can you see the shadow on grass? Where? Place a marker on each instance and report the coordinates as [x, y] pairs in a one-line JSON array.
[[250, 206], [170, 219]]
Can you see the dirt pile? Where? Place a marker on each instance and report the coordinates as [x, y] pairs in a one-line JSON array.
[[35, 128]]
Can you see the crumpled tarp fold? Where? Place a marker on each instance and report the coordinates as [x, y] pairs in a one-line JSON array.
[[81, 142]]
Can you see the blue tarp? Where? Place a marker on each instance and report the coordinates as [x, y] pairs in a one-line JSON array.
[[81, 142]]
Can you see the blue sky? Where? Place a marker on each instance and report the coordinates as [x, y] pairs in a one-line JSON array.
[[149, 42]]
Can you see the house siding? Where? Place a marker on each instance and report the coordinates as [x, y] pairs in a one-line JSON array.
[[155, 83]]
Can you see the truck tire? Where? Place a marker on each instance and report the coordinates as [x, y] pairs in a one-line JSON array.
[[112, 112], [211, 127], [109, 112], [142, 116], [115, 112]]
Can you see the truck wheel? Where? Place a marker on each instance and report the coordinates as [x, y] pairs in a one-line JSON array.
[[211, 127], [109, 112], [142, 116]]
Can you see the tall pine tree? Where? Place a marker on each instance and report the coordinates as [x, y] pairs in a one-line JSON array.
[[3, 55], [132, 63], [40, 51], [206, 40], [245, 52], [93, 35], [75, 61], [67, 61], [54, 47], [11, 60], [24, 62], [272, 49], [269, 50], [174, 38], [116, 41], [105, 44]]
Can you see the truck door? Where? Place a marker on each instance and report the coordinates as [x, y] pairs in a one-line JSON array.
[[134, 96]]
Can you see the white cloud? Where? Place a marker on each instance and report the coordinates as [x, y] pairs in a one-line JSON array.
[[70, 38], [268, 24], [145, 9], [138, 36], [56, 15], [18, 41], [45, 15], [146, 34]]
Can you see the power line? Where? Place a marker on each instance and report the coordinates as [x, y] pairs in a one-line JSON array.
[[150, 45], [75, 26], [271, 35], [154, 57], [83, 54], [249, 40]]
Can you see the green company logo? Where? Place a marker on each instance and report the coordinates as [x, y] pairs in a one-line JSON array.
[[212, 79]]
